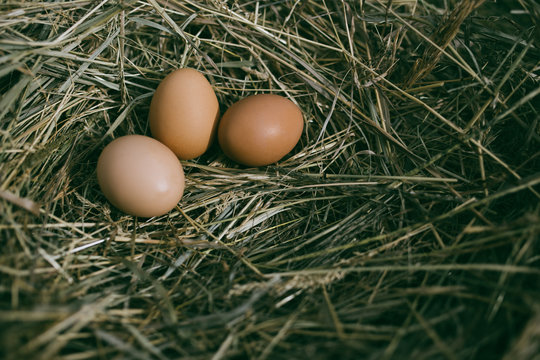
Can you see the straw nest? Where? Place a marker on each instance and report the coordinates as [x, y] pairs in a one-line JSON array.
[[405, 224]]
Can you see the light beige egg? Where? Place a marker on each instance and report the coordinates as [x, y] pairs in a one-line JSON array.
[[140, 176]]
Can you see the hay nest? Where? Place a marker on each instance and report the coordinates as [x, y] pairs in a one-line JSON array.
[[405, 224]]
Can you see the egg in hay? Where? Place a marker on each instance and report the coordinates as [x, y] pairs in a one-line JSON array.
[[184, 113], [260, 129], [140, 176]]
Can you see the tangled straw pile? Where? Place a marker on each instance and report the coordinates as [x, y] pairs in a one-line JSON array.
[[405, 224]]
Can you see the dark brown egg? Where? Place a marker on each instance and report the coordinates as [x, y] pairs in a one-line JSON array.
[[260, 129], [184, 112], [140, 176]]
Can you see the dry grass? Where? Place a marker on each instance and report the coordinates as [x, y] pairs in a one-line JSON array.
[[404, 225]]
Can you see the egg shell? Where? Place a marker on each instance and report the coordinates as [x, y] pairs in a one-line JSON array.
[[260, 129], [140, 176], [184, 113]]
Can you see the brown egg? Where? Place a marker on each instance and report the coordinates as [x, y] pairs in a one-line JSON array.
[[140, 176], [184, 113], [260, 129]]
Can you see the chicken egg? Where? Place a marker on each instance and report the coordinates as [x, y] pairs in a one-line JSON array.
[[260, 129], [184, 113], [140, 176]]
